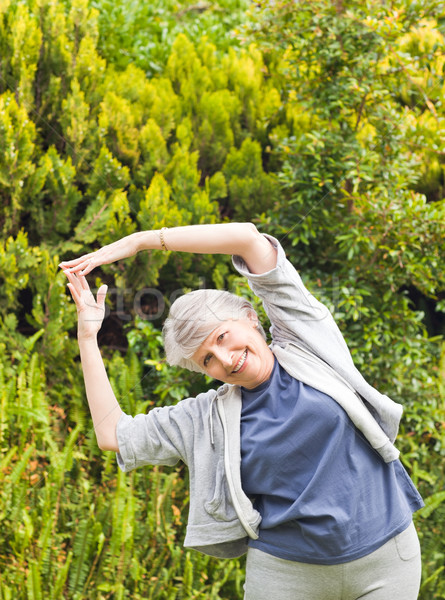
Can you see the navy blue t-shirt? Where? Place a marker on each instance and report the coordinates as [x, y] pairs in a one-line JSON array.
[[325, 495]]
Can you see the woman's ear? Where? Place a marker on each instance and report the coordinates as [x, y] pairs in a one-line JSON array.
[[253, 318]]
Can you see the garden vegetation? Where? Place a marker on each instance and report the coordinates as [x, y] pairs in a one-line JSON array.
[[323, 122]]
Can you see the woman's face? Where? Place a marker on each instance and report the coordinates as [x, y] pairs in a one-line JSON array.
[[235, 352]]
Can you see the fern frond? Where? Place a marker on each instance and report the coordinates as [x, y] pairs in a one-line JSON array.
[[34, 582], [56, 592], [81, 551]]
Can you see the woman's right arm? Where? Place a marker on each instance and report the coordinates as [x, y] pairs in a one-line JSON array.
[[104, 407]]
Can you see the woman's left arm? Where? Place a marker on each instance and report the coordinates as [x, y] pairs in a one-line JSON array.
[[241, 239]]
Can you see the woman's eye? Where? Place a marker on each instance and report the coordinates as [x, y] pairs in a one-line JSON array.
[[221, 335], [206, 360]]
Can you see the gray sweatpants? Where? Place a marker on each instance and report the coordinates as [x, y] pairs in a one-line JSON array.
[[392, 572]]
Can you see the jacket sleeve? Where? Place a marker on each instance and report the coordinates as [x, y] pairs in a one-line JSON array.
[[295, 314], [161, 437]]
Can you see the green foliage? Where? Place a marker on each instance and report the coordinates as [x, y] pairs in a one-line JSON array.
[[161, 383], [251, 189], [70, 525], [323, 123], [143, 32], [56, 195], [17, 135]]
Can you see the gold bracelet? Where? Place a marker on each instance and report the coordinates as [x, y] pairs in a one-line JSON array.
[[161, 237]]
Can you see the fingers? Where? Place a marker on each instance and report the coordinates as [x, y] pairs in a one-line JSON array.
[[74, 294], [83, 282], [74, 288], [84, 264], [84, 267], [101, 294], [75, 261], [75, 281], [78, 285]]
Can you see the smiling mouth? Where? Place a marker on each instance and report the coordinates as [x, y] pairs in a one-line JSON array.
[[241, 362]]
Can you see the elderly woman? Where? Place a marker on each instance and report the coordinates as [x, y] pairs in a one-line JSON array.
[[292, 459]]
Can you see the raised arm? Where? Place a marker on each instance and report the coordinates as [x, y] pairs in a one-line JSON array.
[[104, 407], [241, 239]]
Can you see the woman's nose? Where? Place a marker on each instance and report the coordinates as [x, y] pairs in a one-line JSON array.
[[224, 357]]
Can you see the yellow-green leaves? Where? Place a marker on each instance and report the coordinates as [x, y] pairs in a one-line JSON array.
[[251, 189], [17, 137], [24, 41]]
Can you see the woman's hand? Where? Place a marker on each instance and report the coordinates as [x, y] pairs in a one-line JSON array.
[[123, 248], [89, 311]]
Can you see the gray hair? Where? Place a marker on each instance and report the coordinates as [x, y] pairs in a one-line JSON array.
[[194, 316]]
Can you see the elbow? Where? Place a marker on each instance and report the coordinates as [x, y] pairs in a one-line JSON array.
[[108, 443], [106, 433], [107, 446], [253, 236], [250, 234], [251, 229]]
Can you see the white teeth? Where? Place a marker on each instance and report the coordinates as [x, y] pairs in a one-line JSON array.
[[241, 362]]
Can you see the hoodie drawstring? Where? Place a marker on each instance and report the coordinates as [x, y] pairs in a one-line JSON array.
[[212, 438]]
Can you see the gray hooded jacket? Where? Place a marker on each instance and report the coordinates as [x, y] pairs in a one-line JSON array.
[[204, 432]]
